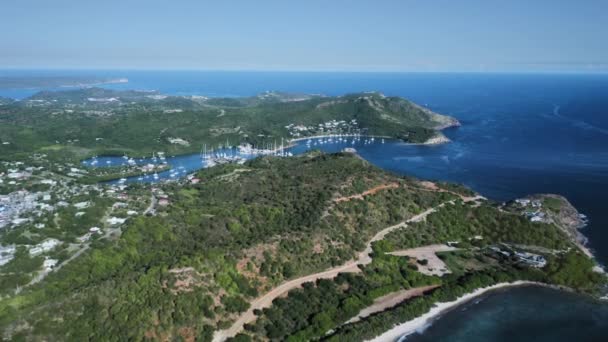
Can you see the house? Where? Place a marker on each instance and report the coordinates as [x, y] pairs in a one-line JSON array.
[[19, 221], [84, 238], [163, 202], [82, 205], [116, 220], [530, 259], [119, 205], [45, 246], [95, 230], [49, 264]]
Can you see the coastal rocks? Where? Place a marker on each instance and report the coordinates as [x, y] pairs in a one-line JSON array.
[[556, 209], [442, 121], [446, 122], [438, 139]]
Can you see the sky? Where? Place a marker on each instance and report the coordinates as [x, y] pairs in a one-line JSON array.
[[311, 35]]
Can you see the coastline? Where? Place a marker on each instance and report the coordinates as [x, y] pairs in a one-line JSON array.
[[412, 326], [438, 139], [319, 136]]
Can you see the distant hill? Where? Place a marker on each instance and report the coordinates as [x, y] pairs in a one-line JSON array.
[[53, 81], [139, 122]]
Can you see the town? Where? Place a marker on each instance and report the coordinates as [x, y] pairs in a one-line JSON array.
[[49, 218]]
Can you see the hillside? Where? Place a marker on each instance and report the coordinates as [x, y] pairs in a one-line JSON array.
[[93, 121], [274, 216], [194, 267]]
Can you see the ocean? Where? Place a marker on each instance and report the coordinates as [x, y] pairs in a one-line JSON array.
[[520, 134]]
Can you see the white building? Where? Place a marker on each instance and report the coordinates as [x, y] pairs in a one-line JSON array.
[[49, 264], [43, 247], [116, 220]]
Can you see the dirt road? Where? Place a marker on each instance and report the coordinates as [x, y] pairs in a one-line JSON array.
[[364, 258]]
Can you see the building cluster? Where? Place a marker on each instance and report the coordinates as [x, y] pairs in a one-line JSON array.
[[55, 193], [16, 205], [525, 258], [329, 127], [533, 209], [15, 173]]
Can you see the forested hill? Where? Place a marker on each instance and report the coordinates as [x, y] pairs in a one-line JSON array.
[[96, 121], [200, 261], [196, 263]]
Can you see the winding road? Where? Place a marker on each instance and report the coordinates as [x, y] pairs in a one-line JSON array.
[[352, 266]]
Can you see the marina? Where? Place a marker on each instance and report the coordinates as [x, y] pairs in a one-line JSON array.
[[183, 165]]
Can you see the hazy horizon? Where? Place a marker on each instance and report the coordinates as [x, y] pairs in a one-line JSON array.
[[56, 72], [313, 36]]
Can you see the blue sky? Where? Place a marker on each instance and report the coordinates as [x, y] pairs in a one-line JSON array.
[[380, 35]]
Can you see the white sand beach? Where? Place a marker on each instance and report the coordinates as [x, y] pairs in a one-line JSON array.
[[415, 324]]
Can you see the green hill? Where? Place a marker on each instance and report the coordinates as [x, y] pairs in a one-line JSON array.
[[74, 124], [196, 265]]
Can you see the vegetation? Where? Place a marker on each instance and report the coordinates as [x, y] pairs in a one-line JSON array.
[[71, 125], [574, 272], [479, 225], [312, 312], [308, 313], [196, 264]]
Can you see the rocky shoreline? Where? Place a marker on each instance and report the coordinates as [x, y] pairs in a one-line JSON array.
[[438, 139], [556, 209]]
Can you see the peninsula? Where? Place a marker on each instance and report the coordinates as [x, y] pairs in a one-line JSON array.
[[315, 246], [75, 124]]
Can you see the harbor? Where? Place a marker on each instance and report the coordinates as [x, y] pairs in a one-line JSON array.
[[159, 167]]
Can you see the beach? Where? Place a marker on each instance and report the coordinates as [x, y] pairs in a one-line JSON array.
[[415, 324]]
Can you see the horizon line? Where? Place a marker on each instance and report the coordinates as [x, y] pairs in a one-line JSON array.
[[345, 71]]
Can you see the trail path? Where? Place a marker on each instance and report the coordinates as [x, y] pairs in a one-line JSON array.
[[152, 205]]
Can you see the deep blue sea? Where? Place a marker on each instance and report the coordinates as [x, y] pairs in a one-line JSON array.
[[521, 134]]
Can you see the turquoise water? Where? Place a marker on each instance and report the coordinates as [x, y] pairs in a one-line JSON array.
[[521, 134]]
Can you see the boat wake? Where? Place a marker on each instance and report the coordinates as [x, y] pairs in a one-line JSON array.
[[577, 123]]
